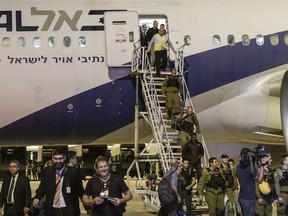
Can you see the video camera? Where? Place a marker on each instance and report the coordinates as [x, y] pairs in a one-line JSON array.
[[258, 155], [106, 197]]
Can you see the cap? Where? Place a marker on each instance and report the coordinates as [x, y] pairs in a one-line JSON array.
[[224, 156]]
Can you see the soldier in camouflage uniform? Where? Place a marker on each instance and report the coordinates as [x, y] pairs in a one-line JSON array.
[[265, 196], [281, 184], [171, 90], [188, 122], [212, 182], [229, 175]]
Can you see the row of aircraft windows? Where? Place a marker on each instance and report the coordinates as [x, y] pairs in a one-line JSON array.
[[37, 42], [245, 40]]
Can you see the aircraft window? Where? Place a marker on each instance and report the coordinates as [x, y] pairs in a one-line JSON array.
[[274, 40], [21, 42], [67, 41], [51, 41], [259, 39], [245, 40], [231, 40], [82, 41], [6, 42], [216, 40], [286, 39], [36, 42]]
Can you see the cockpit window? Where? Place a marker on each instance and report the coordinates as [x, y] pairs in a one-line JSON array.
[[82, 41], [51, 42], [231, 40], [21, 42], [259, 40], [245, 40], [216, 40], [37, 42], [67, 41]]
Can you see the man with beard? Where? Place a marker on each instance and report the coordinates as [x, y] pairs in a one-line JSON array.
[[62, 187], [107, 192]]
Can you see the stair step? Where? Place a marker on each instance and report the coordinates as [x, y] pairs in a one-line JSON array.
[[172, 133], [162, 72], [156, 78], [170, 140], [156, 84], [176, 147]]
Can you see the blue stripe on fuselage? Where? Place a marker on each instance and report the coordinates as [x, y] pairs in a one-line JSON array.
[[215, 68], [87, 122], [84, 123]]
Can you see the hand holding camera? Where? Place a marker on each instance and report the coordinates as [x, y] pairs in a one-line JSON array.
[[105, 196], [98, 200]]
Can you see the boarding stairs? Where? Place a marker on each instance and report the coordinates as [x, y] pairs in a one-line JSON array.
[[164, 145]]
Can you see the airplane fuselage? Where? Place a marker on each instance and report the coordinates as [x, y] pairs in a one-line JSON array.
[[59, 83]]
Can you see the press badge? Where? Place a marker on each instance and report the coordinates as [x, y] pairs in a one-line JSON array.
[[68, 189]]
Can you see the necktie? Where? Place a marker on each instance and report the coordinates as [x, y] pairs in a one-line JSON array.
[[58, 188], [9, 199]]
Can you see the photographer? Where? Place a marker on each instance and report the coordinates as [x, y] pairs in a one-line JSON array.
[[247, 173], [106, 191]]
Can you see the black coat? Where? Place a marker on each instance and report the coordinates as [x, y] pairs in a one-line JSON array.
[[71, 180], [193, 151], [22, 192]]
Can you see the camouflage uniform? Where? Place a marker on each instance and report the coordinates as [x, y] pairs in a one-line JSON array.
[[265, 209], [281, 184], [172, 88], [231, 183], [187, 126], [213, 183]]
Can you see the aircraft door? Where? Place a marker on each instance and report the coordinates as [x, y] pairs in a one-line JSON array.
[[122, 31]]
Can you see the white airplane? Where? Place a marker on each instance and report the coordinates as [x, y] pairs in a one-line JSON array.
[[64, 68]]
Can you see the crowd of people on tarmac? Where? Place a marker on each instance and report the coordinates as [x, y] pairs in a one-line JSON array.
[[252, 188], [253, 185], [61, 188]]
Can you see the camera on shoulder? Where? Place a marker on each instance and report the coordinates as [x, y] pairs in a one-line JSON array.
[[259, 155]]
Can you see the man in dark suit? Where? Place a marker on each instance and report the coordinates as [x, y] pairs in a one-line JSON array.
[[62, 187], [15, 192]]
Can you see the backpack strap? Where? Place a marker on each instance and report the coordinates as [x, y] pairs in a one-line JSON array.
[[168, 177]]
